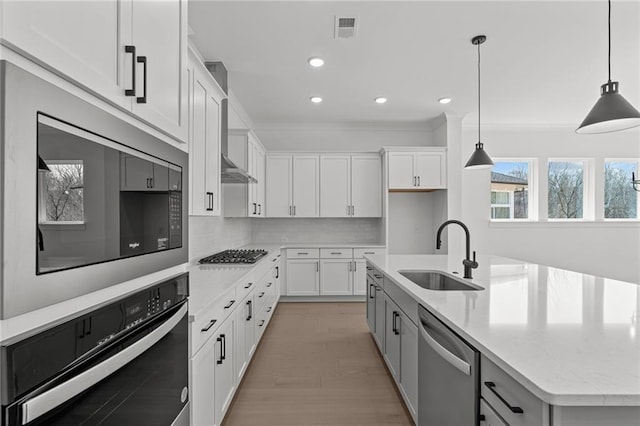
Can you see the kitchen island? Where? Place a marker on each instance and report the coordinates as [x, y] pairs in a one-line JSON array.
[[569, 339]]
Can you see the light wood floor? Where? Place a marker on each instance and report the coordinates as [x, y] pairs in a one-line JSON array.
[[317, 364]]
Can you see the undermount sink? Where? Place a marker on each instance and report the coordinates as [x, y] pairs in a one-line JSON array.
[[432, 280]]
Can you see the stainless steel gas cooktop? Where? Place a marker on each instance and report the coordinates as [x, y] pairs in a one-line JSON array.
[[246, 256]]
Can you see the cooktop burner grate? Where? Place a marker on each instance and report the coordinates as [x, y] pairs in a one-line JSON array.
[[235, 256]]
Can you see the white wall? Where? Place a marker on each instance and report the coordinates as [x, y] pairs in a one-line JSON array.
[[599, 248]]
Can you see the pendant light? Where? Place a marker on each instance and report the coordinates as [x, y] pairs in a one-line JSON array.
[[479, 159], [612, 112]]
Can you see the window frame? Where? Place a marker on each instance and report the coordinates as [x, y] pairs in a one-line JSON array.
[[588, 192], [606, 160], [532, 191]]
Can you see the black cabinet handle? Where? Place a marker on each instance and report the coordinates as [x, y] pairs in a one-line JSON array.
[[143, 99], [261, 323], [209, 325], [269, 309], [230, 304], [150, 182], [394, 326], [377, 276], [492, 388], [277, 272], [336, 252], [371, 295], [261, 294], [210, 201], [369, 268], [269, 285], [132, 91], [259, 209], [248, 285], [224, 346], [250, 305], [219, 360], [255, 208]]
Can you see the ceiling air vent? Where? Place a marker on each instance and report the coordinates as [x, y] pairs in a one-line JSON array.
[[346, 26]]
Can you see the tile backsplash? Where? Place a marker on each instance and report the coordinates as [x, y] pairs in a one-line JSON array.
[[319, 230], [208, 235]]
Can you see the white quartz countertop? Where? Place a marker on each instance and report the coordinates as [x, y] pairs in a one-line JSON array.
[[570, 338]]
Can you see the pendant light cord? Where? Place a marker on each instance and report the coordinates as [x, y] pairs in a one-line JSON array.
[[609, 26], [479, 92]]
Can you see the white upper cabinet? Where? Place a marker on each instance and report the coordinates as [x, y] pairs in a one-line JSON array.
[[350, 186], [418, 169], [205, 98], [248, 153], [86, 42], [293, 185], [335, 186], [366, 186]]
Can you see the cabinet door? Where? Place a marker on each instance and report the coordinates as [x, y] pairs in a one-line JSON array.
[[202, 385], [279, 177], [392, 337], [366, 186], [224, 376], [335, 188], [80, 39], [408, 362], [306, 186], [159, 32], [204, 145], [380, 317], [401, 174], [303, 277], [244, 337], [260, 186], [430, 170], [359, 277], [336, 277], [371, 305]]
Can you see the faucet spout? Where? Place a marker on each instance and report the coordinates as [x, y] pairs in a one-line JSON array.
[[468, 263]]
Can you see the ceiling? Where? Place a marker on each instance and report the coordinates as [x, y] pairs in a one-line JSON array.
[[542, 64]]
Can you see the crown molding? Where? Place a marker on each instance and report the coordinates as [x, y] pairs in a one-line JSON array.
[[344, 126]]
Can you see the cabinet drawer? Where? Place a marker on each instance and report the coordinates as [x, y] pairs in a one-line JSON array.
[[375, 275], [507, 397], [246, 286], [336, 253], [303, 253], [358, 253], [265, 291], [405, 302], [208, 321], [489, 416], [263, 318]]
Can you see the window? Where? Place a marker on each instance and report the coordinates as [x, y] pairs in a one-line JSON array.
[[566, 189], [620, 199], [62, 194], [510, 182]]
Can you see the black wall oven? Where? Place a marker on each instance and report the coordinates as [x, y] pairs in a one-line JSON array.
[[123, 364], [89, 199]]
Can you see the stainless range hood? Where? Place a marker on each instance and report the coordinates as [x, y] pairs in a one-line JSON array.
[[229, 172]]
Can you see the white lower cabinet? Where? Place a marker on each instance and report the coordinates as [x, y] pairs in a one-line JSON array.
[[488, 417], [202, 378], [336, 278], [245, 337], [224, 377], [359, 277], [303, 277]]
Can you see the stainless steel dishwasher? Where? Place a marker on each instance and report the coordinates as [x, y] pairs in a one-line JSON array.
[[448, 376]]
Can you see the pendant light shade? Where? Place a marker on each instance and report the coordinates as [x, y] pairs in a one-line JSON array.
[[479, 159], [611, 112]]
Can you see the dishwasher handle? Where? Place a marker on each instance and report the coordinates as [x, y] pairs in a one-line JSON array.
[[458, 363]]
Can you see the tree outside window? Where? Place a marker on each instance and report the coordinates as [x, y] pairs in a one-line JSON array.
[[620, 199], [510, 190], [63, 192], [566, 189]]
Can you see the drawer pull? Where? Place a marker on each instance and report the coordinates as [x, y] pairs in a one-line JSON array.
[[269, 285], [269, 309], [208, 327], [369, 268], [230, 304], [514, 409], [261, 294], [369, 252], [248, 285], [261, 323], [377, 276], [303, 252], [336, 252]]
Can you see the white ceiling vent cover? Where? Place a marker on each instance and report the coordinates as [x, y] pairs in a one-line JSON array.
[[346, 26]]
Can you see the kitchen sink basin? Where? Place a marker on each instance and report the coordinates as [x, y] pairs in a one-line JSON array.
[[436, 281]]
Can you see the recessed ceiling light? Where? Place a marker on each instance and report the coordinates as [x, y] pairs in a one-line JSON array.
[[315, 99], [444, 100], [380, 100], [316, 62]]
